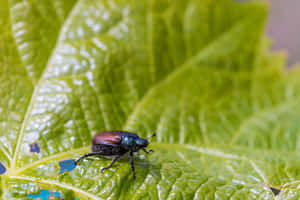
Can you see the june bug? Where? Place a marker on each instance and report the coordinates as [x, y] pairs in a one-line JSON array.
[[117, 144]]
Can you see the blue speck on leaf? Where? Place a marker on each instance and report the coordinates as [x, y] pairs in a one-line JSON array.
[[35, 148], [66, 166], [57, 194], [2, 168], [46, 195], [43, 195]]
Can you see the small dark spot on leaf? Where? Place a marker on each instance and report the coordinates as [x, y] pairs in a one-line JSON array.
[[34, 148], [66, 166], [275, 191], [2, 169]]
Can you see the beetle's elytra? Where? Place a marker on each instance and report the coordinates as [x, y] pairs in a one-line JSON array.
[[117, 143]]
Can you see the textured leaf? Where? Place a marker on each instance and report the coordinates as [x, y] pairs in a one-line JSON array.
[[198, 73]]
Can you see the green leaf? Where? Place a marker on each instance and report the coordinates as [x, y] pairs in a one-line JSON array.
[[198, 73]]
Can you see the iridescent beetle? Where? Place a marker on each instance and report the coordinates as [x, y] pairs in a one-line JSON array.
[[117, 143]]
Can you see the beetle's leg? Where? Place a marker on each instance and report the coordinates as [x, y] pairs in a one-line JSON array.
[[132, 164], [150, 150], [111, 164], [86, 155]]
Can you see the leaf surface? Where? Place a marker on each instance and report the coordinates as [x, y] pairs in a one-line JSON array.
[[195, 72]]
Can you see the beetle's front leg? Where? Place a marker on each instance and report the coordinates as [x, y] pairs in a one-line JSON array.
[[132, 164], [111, 164], [150, 150]]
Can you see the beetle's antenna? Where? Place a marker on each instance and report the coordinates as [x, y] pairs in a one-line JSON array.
[[153, 135]]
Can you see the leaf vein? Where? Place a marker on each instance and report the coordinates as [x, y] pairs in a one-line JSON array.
[[35, 92], [281, 106]]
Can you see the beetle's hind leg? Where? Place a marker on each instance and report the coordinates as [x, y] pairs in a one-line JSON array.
[[86, 155], [150, 150], [112, 162]]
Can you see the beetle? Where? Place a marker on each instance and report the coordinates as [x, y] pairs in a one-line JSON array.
[[117, 144]]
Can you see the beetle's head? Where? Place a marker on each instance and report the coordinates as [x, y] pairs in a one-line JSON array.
[[141, 143], [135, 143]]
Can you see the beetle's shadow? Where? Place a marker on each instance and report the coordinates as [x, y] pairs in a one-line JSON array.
[[141, 162], [145, 165]]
